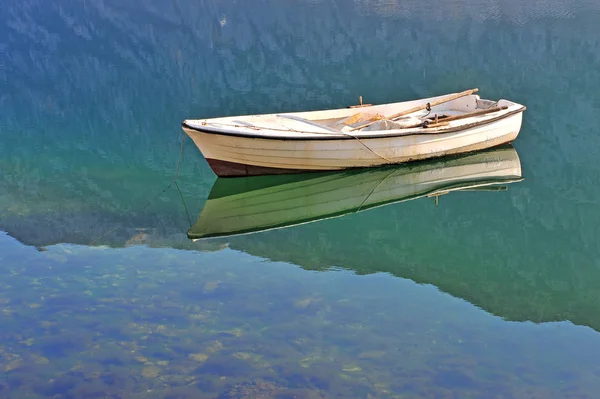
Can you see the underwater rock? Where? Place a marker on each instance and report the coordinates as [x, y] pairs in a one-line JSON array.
[[211, 286], [198, 316], [236, 332], [41, 360], [13, 365], [306, 302], [199, 357], [150, 372], [215, 347], [242, 355]]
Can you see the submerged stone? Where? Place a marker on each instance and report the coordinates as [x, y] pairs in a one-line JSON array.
[[242, 355], [41, 360], [198, 357], [150, 372], [211, 286]]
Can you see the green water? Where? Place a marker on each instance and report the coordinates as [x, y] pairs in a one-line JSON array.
[[488, 294]]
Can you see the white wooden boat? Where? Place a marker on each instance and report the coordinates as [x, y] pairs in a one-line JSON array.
[[363, 136], [241, 206]]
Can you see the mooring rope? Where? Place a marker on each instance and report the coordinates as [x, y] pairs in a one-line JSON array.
[[373, 190], [174, 182], [367, 147]]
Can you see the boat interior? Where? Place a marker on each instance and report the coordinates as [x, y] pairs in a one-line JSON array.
[[435, 112], [377, 118]]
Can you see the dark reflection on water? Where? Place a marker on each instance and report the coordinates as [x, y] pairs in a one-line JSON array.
[[137, 322], [487, 294]]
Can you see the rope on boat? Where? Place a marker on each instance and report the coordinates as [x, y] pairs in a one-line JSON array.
[[179, 161], [367, 147], [187, 213]]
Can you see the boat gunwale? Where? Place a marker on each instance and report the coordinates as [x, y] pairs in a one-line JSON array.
[[356, 135]]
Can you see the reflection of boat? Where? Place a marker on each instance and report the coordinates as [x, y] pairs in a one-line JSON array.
[[337, 139], [238, 206]]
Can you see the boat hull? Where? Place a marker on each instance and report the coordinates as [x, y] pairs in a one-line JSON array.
[[232, 155], [233, 169]]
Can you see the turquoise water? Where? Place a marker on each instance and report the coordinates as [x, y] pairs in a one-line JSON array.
[[489, 294]]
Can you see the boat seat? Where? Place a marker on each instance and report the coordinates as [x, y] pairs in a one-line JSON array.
[[308, 122], [240, 122]]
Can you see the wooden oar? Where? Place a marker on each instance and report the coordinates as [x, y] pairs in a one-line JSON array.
[[422, 107], [444, 120], [472, 113]]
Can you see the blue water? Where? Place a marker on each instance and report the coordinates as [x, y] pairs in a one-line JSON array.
[[102, 294]]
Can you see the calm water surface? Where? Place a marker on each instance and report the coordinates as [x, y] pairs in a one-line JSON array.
[[488, 294]]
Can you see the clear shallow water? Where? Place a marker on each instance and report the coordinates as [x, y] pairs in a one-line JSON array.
[[487, 293], [87, 321]]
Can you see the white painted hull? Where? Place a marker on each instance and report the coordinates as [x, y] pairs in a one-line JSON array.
[[233, 152], [242, 206]]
